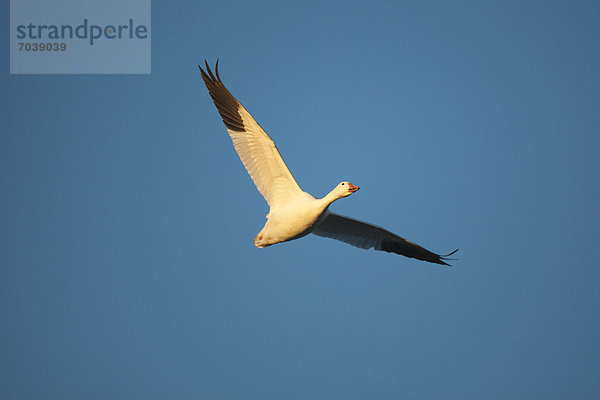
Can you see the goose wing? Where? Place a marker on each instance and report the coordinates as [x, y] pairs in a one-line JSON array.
[[365, 236], [255, 148]]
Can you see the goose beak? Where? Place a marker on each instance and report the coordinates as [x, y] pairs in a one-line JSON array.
[[352, 188]]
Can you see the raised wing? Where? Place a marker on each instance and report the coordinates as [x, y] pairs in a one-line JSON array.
[[365, 236], [255, 148]]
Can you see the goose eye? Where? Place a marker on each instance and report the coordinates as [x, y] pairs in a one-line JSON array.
[[343, 184]]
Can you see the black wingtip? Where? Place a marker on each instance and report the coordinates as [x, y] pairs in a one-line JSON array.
[[449, 254], [445, 258], [202, 72], [208, 75], [217, 70], [210, 72], [226, 104]]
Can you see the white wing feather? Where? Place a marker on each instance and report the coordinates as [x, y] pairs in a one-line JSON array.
[[254, 147]]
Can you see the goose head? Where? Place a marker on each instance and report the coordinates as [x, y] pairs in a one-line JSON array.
[[344, 189]]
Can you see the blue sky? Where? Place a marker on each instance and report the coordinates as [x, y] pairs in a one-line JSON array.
[[128, 265]]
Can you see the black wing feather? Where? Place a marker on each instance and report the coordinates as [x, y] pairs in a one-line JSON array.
[[227, 105]]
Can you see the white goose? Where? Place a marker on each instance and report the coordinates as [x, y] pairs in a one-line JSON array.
[[293, 212]]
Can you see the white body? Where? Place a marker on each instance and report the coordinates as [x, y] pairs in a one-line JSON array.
[[297, 218]]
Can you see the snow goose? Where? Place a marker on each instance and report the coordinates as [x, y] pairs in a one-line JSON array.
[[293, 212]]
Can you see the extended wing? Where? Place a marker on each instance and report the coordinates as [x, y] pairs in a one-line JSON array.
[[365, 236], [255, 148]]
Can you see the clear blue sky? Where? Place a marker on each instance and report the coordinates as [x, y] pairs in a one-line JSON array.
[[127, 264]]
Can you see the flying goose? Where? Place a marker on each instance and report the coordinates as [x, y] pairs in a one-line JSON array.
[[293, 212]]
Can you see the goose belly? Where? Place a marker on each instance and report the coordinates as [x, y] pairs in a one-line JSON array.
[[288, 224]]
